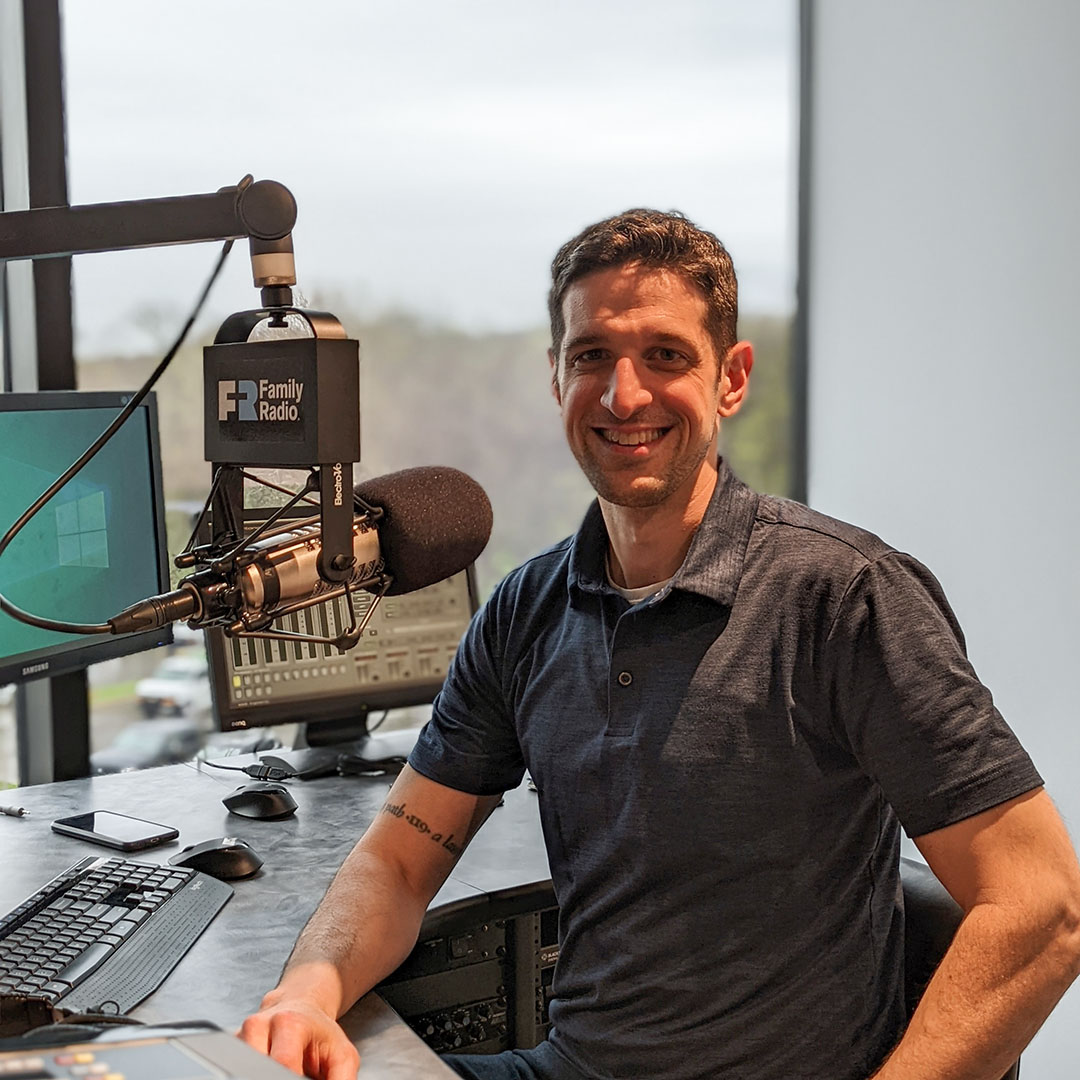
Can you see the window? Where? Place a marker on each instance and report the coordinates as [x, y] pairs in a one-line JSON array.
[[439, 154]]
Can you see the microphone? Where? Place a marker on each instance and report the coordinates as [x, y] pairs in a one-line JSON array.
[[435, 522]]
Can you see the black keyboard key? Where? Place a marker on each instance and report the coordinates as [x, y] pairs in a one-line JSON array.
[[84, 964]]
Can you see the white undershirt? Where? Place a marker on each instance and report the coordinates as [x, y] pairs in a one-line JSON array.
[[633, 595]]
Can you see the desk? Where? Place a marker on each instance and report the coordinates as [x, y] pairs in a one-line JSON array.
[[239, 957]]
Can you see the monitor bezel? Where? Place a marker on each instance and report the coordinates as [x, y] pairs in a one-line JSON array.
[[75, 655]]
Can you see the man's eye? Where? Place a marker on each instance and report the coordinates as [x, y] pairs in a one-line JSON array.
[[588, 358], [669, 357]]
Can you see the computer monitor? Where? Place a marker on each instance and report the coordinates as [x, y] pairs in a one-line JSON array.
[[96, 546], [401, 660]]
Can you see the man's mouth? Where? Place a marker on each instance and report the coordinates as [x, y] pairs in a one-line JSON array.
[[631, 438]]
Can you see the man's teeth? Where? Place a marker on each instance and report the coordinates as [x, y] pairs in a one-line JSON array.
[[632, 438]]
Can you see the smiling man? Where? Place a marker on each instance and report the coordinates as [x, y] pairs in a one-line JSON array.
[[729, 704], [643, 384]]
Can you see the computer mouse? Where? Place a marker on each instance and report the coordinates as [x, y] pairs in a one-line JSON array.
[[226, 858], [261, 799]]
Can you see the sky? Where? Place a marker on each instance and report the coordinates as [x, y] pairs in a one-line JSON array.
[[439, 153]]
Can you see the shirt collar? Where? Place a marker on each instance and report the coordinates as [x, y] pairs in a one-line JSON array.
[[714, 562]]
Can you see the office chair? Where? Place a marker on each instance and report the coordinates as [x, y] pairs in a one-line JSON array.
[[931, 917]]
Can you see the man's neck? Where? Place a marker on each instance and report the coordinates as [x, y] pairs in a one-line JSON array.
[[649, 543]]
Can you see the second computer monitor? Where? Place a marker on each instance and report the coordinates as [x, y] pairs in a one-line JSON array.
[[401, 660], [96, 546]]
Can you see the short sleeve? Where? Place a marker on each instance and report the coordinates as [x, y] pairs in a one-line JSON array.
[[909, 704], [470, 743]]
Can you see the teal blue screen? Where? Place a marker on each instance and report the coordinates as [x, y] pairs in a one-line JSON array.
[[93, 548]]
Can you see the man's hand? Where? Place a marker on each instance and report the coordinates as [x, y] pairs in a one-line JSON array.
[[366, 924], [304, 1038]]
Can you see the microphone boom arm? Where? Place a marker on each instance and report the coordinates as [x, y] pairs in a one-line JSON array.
[[264, 211]]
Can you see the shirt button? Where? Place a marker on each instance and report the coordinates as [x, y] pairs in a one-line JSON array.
[[625, 678]]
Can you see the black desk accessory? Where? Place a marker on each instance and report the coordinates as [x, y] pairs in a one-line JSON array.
[[225, 858], [264, 799]]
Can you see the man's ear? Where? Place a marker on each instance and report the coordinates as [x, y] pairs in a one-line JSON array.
[[553, 361], [735, 380]]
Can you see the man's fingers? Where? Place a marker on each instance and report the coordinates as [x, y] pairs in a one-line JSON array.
[[255, 1031], [304, 1040], [288, 1041], [343, 1065], [331, 1056]]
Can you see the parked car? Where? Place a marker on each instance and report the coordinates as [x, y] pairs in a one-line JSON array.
[[179, 687], [146, 743]]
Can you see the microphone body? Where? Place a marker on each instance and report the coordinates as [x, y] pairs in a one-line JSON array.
[[287, 569], [435, 522]]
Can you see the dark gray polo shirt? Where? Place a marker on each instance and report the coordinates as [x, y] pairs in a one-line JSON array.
[[722, 771]]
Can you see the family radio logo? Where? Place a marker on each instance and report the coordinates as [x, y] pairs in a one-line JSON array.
[[250, 399]]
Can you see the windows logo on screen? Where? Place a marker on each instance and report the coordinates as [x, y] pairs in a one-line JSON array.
[[80, 531]]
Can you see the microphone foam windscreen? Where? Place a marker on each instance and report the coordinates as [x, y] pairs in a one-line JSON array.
[[436, 522]]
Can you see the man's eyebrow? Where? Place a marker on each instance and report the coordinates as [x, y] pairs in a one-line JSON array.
[[661, 338], [674, 339], [583, 339]]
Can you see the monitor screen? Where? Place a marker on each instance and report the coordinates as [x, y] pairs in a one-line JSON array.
[[96, 546]]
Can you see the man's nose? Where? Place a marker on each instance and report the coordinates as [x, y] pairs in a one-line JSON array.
[[625, 392]]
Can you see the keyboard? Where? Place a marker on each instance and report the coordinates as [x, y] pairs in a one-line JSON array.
[[100, 937]]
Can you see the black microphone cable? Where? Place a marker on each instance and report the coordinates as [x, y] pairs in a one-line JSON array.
[[101, 628]]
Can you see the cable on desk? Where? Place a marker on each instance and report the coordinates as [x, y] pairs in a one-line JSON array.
[[346, 764], [262, 771], [379, 723], [357, 765]]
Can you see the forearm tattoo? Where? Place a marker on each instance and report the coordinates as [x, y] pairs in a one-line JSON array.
[[446, 842]]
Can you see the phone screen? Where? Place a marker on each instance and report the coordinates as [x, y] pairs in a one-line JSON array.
[[115, 830]]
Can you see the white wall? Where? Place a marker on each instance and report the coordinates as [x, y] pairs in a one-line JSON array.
[[944, 342]]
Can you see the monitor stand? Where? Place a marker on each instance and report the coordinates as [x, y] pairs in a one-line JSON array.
[[322, 746]]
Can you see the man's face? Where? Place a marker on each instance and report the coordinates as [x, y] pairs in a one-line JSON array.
[[639, 383]]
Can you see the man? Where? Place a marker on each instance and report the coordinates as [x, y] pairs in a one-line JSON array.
[[729, 704]]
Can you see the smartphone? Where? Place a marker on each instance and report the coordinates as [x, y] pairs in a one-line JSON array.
[[115, 830]]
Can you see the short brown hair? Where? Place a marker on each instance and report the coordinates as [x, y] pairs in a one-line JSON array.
[[656, 239]]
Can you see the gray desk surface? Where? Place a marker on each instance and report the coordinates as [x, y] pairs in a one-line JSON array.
[[239, 957]]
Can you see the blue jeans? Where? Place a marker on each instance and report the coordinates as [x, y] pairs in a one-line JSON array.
[[540, 1063]]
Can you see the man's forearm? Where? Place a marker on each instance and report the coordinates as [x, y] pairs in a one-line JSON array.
[[1003, 973], [363, 929]]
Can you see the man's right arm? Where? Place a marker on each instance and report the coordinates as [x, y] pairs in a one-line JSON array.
[[366, 925]]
